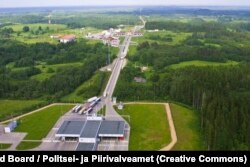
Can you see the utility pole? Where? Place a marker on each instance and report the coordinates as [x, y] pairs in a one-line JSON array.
[[108, 58]]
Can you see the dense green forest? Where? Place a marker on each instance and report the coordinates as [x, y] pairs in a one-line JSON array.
[[220, 94], [19, 84]]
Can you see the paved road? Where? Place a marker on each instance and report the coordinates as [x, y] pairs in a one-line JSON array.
[[108, 92]]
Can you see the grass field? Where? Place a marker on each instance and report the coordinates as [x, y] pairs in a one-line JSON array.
[[187, 128], [11, 108], [177, 37], [39, 124], [27, 145], [149, 126], [44, 69], [90, 88], [4, 146], [34, 27], [200, 63]]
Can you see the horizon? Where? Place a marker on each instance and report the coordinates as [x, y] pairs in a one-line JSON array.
[[98, 6], [113, 3]]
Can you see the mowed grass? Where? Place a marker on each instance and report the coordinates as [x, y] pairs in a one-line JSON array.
[[149, 126], [201, 63], [4, 146], [38, 125], [11, 108], [25, 145], [187, 128]]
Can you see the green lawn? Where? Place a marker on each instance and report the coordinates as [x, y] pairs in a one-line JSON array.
[[200, 63], [149, 126], [38, 125], [11, 108], [93, 87], [187, 128], [27, 145], [4, 146]]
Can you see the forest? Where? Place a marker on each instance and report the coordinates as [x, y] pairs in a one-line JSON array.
[[219, 94], [24, 57]]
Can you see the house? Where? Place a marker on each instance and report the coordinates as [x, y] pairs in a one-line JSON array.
[[139, 80], [68, 38]]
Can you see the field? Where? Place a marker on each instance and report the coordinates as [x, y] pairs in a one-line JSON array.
[[187, 128], [4, 146], [34, 36], [45, 73], [93, 87], [149, 126], [201, 63], [27, 145], [38, 125], [11, 108], [151, 37]]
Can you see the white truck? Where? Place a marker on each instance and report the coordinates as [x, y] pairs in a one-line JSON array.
[[91, 99]]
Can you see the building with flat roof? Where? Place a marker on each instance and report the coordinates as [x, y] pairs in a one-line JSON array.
[[90, 131]]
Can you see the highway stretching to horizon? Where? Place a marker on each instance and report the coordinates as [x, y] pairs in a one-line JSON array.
[[109, 90]]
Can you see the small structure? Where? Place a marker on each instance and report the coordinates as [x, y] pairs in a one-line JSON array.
[[10, 127], [139, 80], [55, 36], [114, 100], [68, 38], [120, 106]]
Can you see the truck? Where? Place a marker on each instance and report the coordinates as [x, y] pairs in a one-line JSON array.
[[91, 99], [78, 108]]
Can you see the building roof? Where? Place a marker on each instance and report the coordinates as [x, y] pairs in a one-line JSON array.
[[68, 37], [139, 79], [71, 127], [86, 147], [90, 129], [112, 128]]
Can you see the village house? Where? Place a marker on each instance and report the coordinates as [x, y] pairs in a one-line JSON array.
[[68, 38]]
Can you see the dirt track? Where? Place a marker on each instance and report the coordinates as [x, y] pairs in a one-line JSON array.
[[170, 122]]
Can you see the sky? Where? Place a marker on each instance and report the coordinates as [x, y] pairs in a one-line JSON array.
[[40, 3]]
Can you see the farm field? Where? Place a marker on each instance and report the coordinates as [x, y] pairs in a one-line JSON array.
[[149, 126], [201, 64]]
